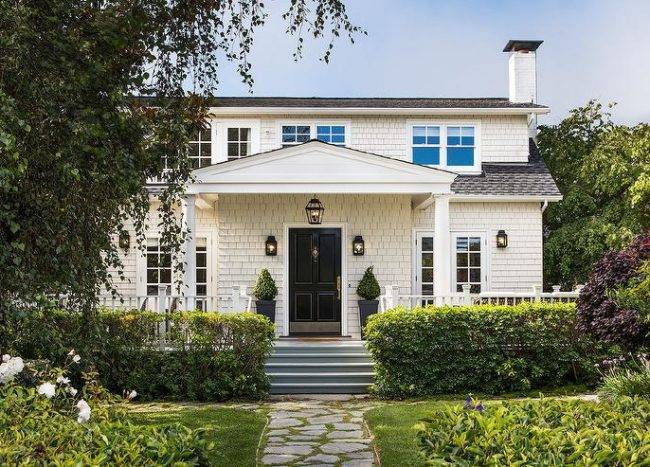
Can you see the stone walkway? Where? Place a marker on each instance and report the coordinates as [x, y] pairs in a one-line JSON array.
[[323, 431]]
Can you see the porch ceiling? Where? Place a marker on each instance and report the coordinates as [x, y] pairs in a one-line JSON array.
[[317, 167]]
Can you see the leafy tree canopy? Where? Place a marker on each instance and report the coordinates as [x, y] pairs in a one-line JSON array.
[[76, 148], [603, 171]]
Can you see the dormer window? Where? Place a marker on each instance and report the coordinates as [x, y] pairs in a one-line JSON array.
[[333, 134]]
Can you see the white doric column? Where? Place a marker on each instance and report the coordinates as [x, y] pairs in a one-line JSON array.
[[441, 250], [190, 251]]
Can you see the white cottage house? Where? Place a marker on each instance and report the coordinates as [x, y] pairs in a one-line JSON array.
[[443, 196]]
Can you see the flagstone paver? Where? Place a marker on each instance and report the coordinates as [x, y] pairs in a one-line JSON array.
[[319, 431]]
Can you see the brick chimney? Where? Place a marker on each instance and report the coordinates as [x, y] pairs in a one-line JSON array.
[[522, 75]]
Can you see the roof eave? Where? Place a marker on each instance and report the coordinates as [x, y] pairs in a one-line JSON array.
[[226, 111]]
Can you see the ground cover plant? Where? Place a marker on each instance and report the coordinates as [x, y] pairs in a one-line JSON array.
[[484, 348], [538, 432], [199, 356]]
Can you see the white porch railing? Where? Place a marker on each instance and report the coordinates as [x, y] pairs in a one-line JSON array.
[[393, 298], [164, 302]]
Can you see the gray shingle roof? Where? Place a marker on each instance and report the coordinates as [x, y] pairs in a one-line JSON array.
[[522, 179], [371, 102]]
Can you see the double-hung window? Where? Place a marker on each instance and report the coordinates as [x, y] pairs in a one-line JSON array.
[[295, 134], [460, 146], [159, 267], [426, 145], [333, 134], [200, 150], [468, 262], [239, 142]]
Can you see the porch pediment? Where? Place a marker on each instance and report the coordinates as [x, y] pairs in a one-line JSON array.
[[317, 167]]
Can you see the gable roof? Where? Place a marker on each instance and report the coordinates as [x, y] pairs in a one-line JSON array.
[[531, 179], [318, 167]]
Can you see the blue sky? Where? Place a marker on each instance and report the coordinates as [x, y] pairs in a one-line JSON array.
[[452, 48]]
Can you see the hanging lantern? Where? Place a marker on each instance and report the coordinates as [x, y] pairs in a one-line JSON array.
[[314, 210], [271, 246], [502, 239], [124, 240], [358, 246]]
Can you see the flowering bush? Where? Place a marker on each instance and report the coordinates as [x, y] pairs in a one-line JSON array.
[[207, 356], [54, 423], [609, 310], [540, 432], [483, 348]]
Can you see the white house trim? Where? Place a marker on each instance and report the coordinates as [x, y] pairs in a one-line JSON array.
[[344, 270], [226, 111]]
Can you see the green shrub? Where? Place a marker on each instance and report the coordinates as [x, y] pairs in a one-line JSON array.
[[34, 431], [626, 383], [541, 432], [368, 287], [207, 355], [265, 288], [483, 348]]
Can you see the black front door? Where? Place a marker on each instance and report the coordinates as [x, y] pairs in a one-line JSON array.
[[315, 281]]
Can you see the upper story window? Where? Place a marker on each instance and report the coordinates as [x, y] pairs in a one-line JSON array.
[[334, 134], [200, 150], [426, 145], [239, 142], [295, 134], [460, 145], [446, 146]]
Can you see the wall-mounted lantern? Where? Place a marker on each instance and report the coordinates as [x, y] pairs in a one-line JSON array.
[[271, 246], [502, 239], [314, 210], [358, 246], [124, 240]]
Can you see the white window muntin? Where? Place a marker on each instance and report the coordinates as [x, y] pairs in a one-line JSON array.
[[473, 259], [220, 137], [423, 273], [476, 125], [313, 134], [200, 148]]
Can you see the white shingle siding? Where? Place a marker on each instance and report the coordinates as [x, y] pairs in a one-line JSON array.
[[504, 138]]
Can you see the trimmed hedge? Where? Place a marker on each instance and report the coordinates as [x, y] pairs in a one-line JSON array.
[[483, 348], [541, 432], [207, 356]]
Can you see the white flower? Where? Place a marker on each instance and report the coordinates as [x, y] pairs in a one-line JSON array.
[[72, 391], [47, 389], [76, 359], [132, 395], [71, 353], [84, 411], [10, 368], [6, 357], [63, 380]]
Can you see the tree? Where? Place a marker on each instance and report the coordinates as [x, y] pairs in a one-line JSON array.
[[76, 148], [603, 171]]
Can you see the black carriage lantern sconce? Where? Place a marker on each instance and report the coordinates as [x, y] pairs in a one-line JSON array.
[[502, 239], [124, 240], [314, 210], [271, 246], [358, 246]]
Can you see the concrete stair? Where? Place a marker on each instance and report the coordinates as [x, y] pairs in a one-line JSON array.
[[306, 366]]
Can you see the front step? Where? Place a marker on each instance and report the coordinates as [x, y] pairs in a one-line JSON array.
[[304, 367]]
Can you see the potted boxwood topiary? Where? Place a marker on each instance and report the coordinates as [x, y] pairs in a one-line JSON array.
[[265, 292], [368, 289]]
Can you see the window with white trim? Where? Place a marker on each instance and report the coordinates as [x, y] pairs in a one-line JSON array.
[[201, 274], [295, 134], [238, 142], [424, 273], [469, 262], [426, 145], [159, 267], [460, 146], [333, 134], [200, 148]]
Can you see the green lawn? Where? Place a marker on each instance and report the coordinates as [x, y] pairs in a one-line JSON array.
[[235, 432]]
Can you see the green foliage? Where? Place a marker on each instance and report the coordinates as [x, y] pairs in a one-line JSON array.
[[265, 288], [483, 348], [542, 432], [626, 382], [603, 171], [636, 294], [368, 287], [207, 356], [35, 432], [76, 148]]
